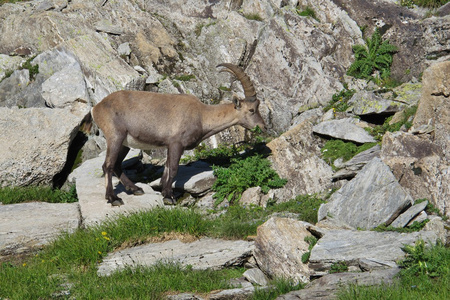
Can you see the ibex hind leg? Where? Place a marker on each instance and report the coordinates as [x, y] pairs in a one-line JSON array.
[[129, 185]]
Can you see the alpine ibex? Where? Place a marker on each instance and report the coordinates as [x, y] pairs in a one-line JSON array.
[[147, 120]]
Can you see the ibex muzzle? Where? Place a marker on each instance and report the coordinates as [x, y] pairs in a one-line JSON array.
[[146, 120]]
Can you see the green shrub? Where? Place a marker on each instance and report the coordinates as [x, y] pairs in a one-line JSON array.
[[242, 174], [376, 55]]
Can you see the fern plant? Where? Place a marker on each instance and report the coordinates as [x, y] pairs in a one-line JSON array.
[[376, 55], [242, 174]]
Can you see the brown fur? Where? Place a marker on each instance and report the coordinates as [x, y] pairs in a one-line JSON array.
[[176, 122]]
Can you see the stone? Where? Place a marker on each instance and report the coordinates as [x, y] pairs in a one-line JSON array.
[[251, 196], [351, 167], [279, 246], [372, 198], [296, 155], [434, 106], [90, 185], [39, 149], [367, 103], [29, 226], [420, 166], [13, 85], [196, 178], [382, 249], [256, 276], [409, 214], [206, 253], [343, 129], [327, 286], [65, 87]]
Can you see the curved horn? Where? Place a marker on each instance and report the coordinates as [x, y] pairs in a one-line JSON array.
[[249, 89]]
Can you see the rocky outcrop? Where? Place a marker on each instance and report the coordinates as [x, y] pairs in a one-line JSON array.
[[58, 58]]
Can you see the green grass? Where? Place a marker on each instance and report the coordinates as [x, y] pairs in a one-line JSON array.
[[68, 264], [378, 131], [334, 149], [11, 195]]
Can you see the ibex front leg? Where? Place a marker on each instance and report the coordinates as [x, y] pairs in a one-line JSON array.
[[174, 153]]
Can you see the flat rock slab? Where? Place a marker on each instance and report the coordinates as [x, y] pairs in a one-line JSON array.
[[90, 186], [372, 249], [206, 253], [327, 286], [27, 225]]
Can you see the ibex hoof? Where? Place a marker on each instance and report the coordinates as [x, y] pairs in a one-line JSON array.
[[138, 192], [169, 201], [117, 202]]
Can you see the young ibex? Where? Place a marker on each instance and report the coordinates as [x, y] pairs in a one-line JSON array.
[[146, 120]]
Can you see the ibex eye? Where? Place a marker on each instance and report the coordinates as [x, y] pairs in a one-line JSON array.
[[252, 110]]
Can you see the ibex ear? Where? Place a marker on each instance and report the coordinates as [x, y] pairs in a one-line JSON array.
[[236, 102]]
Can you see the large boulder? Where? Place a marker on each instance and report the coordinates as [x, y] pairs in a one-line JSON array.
[[372, 198], [419, 166], [295, 155], [34, 144], [279, 247]]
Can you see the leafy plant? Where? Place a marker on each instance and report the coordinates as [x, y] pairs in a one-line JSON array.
[[376, 55], [242, 174], [422, 260]]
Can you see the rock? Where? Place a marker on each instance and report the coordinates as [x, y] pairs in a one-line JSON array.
[[99, 60], [434, 106], [438, 227], [367, 103], [351, 167], [13, 85], [381, 249], [251, 196], [90, 185], [256, 276], [108, 27], [8, 63], [233, 294], [124, 49], [420, 166], [372, 198], [296, 155], [409, 214], [65, 87], [279, 246], [205, 253], [27, 226], [327, 286], [39, 149], [196, 178], [343, 129]]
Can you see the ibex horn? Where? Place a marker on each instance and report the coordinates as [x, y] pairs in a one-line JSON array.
[[249, 89]]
